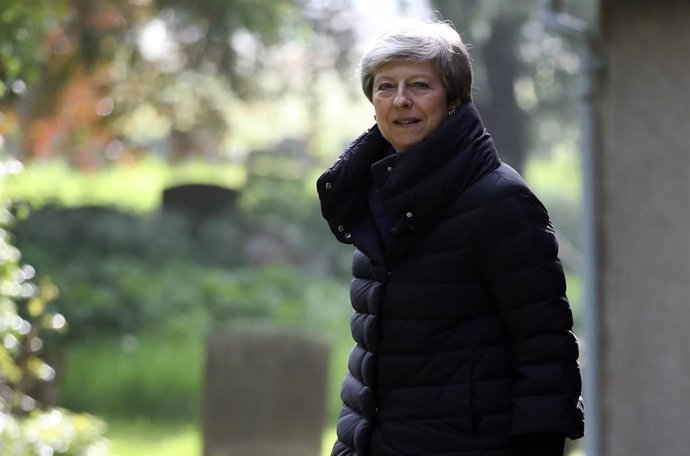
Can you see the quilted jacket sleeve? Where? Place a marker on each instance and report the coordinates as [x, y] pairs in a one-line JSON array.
[[527, 284]]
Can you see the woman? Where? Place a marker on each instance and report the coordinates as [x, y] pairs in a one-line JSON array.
[[462, 327]]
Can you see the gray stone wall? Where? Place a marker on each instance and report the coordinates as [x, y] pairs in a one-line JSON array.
[[644, 219]]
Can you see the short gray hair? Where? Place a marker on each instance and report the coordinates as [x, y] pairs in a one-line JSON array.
[[418, 41]]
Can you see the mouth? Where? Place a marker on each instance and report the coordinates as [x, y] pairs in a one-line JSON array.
[[406, 121]]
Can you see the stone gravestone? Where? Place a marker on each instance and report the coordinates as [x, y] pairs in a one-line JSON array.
[[199, 202], [264, 393]]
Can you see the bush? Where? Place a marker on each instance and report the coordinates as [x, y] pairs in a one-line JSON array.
[[120, 272], [63, 235], [140, 311], [25, 428], [53, 431]]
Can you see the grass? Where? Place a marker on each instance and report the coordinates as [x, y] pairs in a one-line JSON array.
[[136, 187], [152, 376], [148, 390], [157, 376], [142, 437]]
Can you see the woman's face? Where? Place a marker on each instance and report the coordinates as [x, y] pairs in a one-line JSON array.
[[410, 101]]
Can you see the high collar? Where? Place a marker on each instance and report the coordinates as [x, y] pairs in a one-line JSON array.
[[415, 186]]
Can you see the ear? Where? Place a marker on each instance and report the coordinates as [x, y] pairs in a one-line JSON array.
[[453, 104]]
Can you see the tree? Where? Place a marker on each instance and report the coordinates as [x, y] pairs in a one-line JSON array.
[[23, 29], [524, 74], [101, 61]]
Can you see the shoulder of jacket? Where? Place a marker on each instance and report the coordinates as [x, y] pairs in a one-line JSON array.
[[505, 180], [503, 196], [500, 183]]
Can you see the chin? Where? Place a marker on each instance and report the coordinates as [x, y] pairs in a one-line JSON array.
[[400, 147]]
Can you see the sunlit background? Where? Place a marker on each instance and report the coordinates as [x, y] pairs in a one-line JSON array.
[[158, 160]]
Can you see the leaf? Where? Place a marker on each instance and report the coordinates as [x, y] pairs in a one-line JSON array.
[[36, 306]]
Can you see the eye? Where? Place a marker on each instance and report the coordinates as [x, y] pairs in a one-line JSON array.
[[420, 85], [384, 87]]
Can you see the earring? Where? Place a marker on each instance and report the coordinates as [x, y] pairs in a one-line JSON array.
[[374, 117], [451, 111]]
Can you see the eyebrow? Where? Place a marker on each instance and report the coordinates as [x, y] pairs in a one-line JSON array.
[[420, 75]]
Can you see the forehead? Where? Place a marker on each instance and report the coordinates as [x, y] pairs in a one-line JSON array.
[[406, 69]]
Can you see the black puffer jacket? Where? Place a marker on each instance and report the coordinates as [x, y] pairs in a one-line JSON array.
[[461, 323]]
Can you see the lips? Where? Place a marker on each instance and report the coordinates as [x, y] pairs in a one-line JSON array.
[[406, 121]]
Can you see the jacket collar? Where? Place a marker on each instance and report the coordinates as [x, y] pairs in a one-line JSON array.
[[415, 186]]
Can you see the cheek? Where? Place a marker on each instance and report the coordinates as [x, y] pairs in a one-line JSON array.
[[441, 112], [436, 117]]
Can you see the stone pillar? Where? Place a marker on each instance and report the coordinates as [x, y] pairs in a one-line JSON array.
[[644, 216], [264, 394]]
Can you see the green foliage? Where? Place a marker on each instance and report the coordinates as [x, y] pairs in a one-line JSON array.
[[265, 21], [23, 27], [156, 372], [25, 313], [142, 293], [525, 74], [154, 376], [93, 68], [120, 272], [55, 431], [557, 174], [92, 233]]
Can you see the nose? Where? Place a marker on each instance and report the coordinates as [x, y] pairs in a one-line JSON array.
[[401, 98]]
